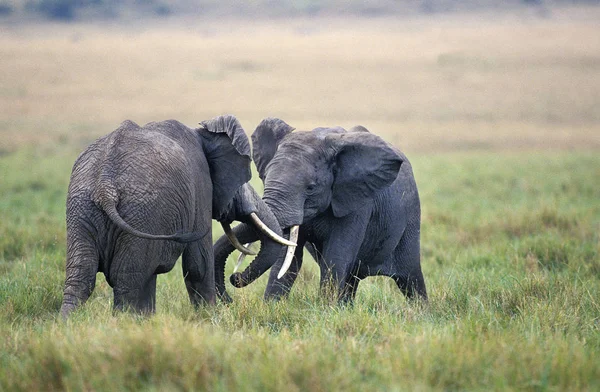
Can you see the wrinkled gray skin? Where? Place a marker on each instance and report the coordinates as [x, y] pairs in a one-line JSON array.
[[132, 188], [355, 199]]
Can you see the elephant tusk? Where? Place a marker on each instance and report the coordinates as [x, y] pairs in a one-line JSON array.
[[240, 259], [270, 233], [234, 241], [290, 252]]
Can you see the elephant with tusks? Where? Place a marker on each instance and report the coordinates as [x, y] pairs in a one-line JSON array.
[[349, 197]]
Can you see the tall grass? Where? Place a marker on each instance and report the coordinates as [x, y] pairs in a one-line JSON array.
[[498, 117], [512, 270]]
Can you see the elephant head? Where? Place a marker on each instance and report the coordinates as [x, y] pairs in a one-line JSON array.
[[232, 201], [229, 162], [308, 174], [227, 151]]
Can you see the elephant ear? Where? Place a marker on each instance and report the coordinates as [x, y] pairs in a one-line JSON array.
[[265, 140], [228, 154], [229, 125], [364, 166]]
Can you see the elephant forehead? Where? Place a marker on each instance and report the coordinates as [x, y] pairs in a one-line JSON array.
[[302, 145], [296, 159]]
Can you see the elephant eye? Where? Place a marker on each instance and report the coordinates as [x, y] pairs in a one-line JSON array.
[[311, 187]]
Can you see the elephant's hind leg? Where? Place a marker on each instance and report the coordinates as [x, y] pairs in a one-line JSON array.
[[139, 298], [407, 267], [412, 285], [81, 268], [199, 272], [349, 292], [410, 281], [133, 273]]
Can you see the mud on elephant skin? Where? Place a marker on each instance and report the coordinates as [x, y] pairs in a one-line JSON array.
[[133, 187], [349, 195]]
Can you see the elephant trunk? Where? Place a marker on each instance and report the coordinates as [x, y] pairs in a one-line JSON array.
[[267, 256], [247, 232], [287, 216], [223, 248], [270, 251]]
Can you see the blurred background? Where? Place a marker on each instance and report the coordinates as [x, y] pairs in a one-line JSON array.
[[428, 75]]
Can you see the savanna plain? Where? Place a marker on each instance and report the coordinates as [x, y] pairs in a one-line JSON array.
[[499, 115]]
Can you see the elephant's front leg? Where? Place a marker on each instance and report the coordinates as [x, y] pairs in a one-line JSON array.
[[340, 251], [199, 271], [278, 288]]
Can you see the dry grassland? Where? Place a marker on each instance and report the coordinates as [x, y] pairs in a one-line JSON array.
[[439, 83]]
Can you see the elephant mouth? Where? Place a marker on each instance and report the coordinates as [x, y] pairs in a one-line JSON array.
[[289, 255], [246, 277], [245, 249], [261, 226]]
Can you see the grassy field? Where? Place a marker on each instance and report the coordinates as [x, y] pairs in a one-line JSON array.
[[499, 116]]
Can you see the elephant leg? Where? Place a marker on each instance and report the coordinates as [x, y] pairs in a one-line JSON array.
[[349, 293], [132, 273], [346, 290], [199, 271], [340, 252], [336, 279], [407, 267], [222, 249], [340, 282], [139, 297], [315, 250], [148, 297], [412, 284], [81, 268], [279, 288]]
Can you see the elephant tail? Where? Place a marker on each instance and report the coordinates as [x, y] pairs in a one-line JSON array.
[[181, 237], [106, 197]]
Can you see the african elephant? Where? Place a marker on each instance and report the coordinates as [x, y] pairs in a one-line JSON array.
[[349, 197], [135, 184]]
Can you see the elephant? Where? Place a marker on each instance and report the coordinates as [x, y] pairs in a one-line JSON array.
[[134, 185], [348, 196]]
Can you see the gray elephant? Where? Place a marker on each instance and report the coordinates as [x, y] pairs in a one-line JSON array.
[[349, 197], [132, 187]]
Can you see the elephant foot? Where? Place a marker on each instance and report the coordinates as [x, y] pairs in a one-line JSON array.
[[69, 304], [225, 297], [66, 309]]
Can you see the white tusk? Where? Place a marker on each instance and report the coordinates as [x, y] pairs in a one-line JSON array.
[[290, 252], [240, 259], [270, 233], [234, 241]]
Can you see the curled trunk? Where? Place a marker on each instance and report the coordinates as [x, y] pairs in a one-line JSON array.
[[223, 248], [246, 232]]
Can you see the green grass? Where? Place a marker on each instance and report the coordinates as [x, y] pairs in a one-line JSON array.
[[511, 256]]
